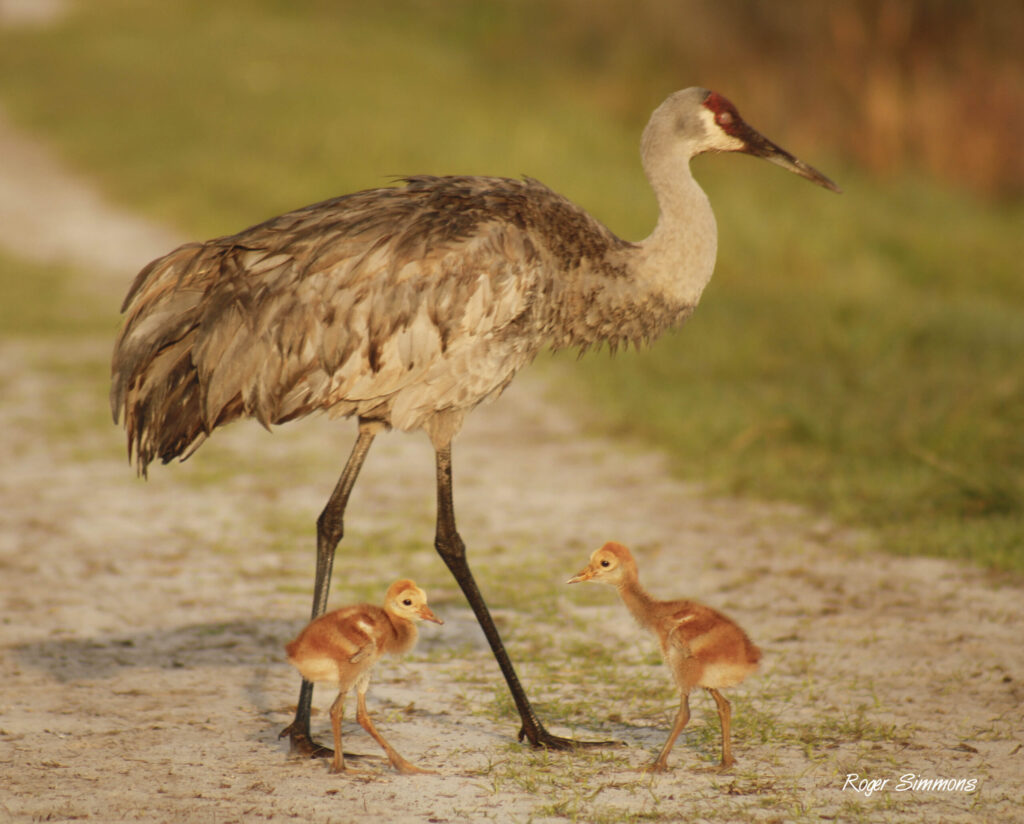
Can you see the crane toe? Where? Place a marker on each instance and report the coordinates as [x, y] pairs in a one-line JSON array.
[[302, 745], [542, 738]]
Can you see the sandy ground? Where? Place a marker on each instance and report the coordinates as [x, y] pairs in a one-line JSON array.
[[141, 671]]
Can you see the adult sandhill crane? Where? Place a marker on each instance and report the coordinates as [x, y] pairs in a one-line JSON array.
[[408, 306]]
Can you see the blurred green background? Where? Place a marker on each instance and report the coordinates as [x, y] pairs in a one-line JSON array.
[[859, 355]]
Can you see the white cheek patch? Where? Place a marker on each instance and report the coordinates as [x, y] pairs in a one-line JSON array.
[[718, 138]]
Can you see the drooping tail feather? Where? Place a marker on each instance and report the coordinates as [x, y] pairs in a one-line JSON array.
[[154, 383]]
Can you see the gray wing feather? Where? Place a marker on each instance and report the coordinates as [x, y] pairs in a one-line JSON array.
[[337, 306]]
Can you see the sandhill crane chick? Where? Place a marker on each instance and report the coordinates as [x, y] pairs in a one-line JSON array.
[[341, 648], [702, 647]]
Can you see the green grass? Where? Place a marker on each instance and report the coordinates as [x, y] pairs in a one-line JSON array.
[[40, 301], [870, 369], [213, 116], [858, 354]]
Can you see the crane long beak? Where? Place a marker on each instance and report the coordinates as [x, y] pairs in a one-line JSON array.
[[758, 145], [582, 575], [427, 615]]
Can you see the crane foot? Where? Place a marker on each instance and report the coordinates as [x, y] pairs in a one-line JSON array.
[[303, 745], [542, 738]]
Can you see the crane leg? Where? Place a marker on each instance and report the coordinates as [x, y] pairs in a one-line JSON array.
[[452, 550], [329, 530]]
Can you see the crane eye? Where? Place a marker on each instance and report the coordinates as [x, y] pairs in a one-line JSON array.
[[606, 563], [407, 602], [724, 118]]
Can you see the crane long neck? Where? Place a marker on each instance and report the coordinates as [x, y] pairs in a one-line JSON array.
[[633, 292], [679, 255]]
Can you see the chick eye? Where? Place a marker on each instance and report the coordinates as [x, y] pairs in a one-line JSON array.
[[606, 563], [407, 602]]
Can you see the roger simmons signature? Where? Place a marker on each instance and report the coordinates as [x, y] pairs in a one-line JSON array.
[[909, 782]]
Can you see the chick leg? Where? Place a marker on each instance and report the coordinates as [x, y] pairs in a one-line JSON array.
[[682, 719], [399, 763], [724, 716], [337, 711]]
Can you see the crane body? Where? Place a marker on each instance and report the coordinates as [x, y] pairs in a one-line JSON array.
[[406, 307]]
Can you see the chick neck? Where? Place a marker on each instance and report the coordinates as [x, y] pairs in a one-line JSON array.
[[640, 603], [404, 634]]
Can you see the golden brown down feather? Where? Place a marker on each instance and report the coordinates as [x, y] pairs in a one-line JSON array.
[[393, 304], [342, 647], [702, 647]]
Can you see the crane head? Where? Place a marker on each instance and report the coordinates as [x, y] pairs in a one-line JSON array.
[[739, 136]]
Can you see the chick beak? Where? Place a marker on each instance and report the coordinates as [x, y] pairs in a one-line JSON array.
[[427, 615], [583, 575]]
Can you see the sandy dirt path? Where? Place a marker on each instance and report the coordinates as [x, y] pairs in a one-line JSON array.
[[141, 671]]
